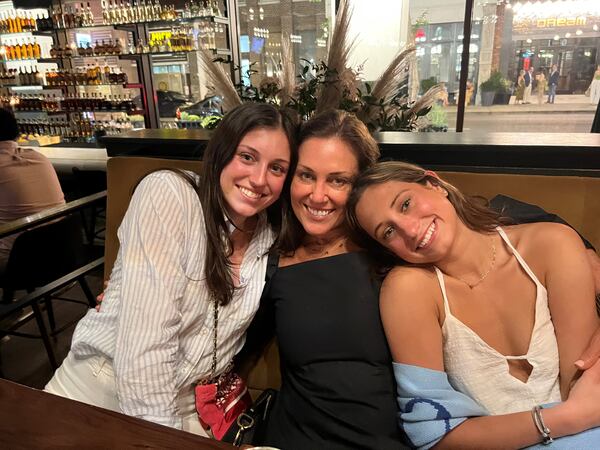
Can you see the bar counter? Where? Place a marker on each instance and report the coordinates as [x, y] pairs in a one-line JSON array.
[[33, 419], [65, 158], [533, 153]]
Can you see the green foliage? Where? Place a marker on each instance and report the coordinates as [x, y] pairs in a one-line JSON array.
[[495, 83], [421, 21], [211, 122], [391, 115], [437, 116]]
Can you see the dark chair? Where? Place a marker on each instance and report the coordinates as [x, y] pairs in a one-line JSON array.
[[87, 182], [40, 256]]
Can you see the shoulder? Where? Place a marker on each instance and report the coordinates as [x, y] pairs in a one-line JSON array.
[[544, 240], [410, 287], [32, 155], [540, 234], [171, 178], [168, 184], [165, 194]]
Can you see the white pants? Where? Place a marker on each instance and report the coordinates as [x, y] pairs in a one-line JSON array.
[[527, 94], [92, 381], [595, 92]]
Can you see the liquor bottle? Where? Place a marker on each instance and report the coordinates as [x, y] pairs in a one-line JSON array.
[[29, 49], [18, 24], [37, 50], [105, 13], [112, 13], [16, 51], [156, 10], [23, 46], [80, 16], [89, 16]]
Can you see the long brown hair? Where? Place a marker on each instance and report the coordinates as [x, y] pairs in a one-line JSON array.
[[219, 152], [471, 211], [330, 124]]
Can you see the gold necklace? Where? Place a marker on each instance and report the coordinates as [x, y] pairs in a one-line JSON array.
[[486, 273], [315, 249]]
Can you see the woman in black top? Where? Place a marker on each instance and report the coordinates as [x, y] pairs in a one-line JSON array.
[[338, 389]]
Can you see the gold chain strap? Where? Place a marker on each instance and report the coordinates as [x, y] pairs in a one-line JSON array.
[[213, 370]]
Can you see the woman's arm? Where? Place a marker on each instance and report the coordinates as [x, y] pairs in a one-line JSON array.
[[152, 238], [411, 319], [570, 286]]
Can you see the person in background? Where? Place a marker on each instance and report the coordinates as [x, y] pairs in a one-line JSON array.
[[482, 319], [469, 92], [528, 77], [520, 92], [553, 83], [188, 276], [595, 87], [28, 182], [542, 83]]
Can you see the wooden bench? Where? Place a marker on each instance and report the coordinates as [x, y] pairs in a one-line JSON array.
[[575, 199]]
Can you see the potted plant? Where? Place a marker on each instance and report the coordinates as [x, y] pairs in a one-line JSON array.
[[494, 90]]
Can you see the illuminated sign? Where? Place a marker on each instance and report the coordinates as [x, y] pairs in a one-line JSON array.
[[560, 22]]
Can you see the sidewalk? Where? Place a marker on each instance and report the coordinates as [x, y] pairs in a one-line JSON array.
[[562, 104]]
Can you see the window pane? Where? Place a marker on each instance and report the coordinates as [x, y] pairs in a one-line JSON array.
[[535, 49], [262, 24], [438, 32]]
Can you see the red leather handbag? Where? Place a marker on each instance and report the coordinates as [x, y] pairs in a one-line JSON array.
[[221, 399]]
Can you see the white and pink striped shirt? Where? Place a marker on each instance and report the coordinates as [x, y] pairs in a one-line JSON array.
[[156, 321]]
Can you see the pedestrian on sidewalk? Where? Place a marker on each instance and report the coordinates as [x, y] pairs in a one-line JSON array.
[[528, 77], [520, 92], [553, 83], [595, 87], [542, 83], [469, 92]]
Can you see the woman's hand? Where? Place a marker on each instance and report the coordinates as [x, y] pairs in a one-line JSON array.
[[591, 354], [101, 297], [584, 399]]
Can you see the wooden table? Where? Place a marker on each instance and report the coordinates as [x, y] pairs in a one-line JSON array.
[[33, 419]]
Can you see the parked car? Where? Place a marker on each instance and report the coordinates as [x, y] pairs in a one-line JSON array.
[[209, 106], [168, 102]]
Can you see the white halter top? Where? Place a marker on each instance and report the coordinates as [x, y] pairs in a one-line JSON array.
[[479, 371]]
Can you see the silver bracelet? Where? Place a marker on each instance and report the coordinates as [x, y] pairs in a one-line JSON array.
[[538, 420]]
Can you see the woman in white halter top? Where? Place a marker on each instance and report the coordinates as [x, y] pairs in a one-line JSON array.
[[505, 312]]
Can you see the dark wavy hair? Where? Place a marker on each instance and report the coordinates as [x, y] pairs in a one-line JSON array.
[[9, 129], [219, 152], [330, 124], [472, 211]]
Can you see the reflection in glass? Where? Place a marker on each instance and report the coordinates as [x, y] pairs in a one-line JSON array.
[[262, 25], [555, 46]]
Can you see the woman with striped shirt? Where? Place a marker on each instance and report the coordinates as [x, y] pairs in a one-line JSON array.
[[186, 241]]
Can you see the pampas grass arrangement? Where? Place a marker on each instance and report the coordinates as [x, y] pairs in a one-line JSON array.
[[333, 84]]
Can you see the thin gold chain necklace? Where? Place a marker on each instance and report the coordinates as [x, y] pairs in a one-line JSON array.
[[484, 274], [314, 249]]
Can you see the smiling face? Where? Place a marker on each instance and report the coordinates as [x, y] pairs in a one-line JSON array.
[[414, 221], [254, 178], [322, 183]]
